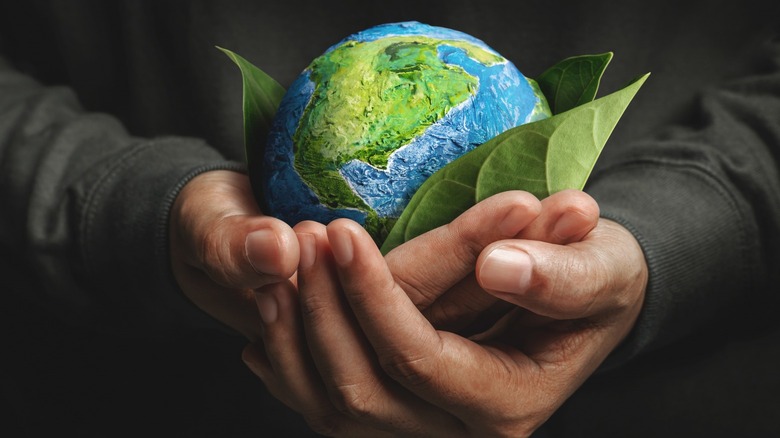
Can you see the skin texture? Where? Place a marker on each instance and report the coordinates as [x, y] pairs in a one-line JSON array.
[[482, 327], [355, 356], [222, 248]]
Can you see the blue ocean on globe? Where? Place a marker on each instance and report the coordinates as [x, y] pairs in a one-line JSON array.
[[371, 119]]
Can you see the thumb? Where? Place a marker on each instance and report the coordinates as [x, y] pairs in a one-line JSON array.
[[248, 251], [599, 274], [216, 227]]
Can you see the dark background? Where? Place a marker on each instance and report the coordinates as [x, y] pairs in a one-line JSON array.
[[59, 378]]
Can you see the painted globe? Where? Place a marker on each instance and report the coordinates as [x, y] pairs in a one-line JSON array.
[[369, 120]]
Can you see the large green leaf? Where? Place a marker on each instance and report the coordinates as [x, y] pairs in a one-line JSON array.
[[261, 97], [573, 81], [542, 158]]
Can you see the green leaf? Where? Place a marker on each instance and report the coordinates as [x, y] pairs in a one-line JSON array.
[[542, 158], [573, 81], [261, 97], [445, 200]]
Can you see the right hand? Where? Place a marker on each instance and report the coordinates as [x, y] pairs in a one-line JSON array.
[[222, 248]]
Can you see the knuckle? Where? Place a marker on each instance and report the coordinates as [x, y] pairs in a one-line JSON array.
[[215, 253], [363, 293], [579, 199], [418, 283], [568, 285], [601, 288], [314, 310], [468, 238], [410, 370], [355, 400], [587, 291]]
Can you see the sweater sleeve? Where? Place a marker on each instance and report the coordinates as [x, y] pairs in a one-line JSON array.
[[704, 204], [86, 206]]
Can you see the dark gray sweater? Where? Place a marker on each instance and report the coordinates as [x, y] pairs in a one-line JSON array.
[[108, 108]]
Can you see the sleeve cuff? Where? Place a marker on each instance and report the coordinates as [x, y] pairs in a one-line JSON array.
[[696, 243], [125, 235]]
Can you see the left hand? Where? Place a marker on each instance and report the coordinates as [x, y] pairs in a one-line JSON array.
[[437, 269], [360, 359], [222, 247]]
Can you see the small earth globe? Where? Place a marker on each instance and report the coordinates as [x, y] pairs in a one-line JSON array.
[[367, 122]]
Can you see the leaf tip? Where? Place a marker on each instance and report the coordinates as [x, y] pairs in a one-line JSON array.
[[607, 58], [230, 54], [639, 80]]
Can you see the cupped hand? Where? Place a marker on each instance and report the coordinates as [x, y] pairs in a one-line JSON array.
[[436, 269], [222, 247], [354, 354]]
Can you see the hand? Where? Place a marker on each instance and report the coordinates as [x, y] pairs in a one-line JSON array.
[[436, 269], [359, 357], [222, 248]]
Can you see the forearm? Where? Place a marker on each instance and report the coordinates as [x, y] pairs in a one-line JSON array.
[[86, 204], [704, 204]]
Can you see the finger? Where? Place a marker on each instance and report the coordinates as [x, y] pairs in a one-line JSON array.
[[217, 227], [287, 370], [254, 357], [371, 291], [435, 261], [249, 251], [286, 367], [447, 370], [466, 309], [580, 280], [563, 217], [234, 307], [353, 379], [567, 216]]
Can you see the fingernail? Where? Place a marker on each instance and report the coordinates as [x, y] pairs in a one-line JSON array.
[[308, 248], [257, 244], [506, 270], [568, 225], [266, 306], [341, 245]]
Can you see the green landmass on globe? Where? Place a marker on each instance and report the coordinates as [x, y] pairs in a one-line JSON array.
[[371, 98], [377, 113], [404, 126]]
